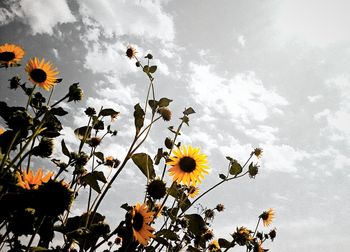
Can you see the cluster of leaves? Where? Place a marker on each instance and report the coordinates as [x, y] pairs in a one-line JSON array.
[[38, 206]]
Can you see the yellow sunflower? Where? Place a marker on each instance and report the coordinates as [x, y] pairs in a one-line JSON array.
[[42, 73], [214, 246], [267, 217], [1, 131], [188, 165], [193, 191], [141, 218], [30, 181], [10, 54]]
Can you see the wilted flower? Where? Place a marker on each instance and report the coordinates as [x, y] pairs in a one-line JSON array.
[[169, 143], [257, 152], [165, 113], [209, 214], [188, 165], [30, 181], [242, 236], [272, 234], [267, 217], [112, 162], [220, 207], [15, 82], [208, 235], [75, 93], [44, 148], [94, 141], [253, 170], [141, 218], [118, 240], [10, 54], [156, 189], [42, 73], [90, 111]]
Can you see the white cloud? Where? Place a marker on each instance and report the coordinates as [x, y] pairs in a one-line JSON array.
[[41, 15], [241, 40], [140, 18], [243, 98], [283, 158], [6, 16], [314, 98], [263, 133], [316, 22]]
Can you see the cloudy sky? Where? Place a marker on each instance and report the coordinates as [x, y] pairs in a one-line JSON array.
[[273, 74]]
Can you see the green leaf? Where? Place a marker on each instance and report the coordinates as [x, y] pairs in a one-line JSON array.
[[152, 69], [164, 102], [145, 164], [196, 224], [108, 112], [91, 180], [185, 119], [224, 243], [189, 111], [100, 156], [65, 150], [153, 104], [229, 159], [80, 132], [139, 116], [146, 69], [185, 205], [99, 176], [168, 234], [235, 168], [174, 191], [58, 111]]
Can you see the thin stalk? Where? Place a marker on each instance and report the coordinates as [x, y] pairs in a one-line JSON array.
[[7, 154], [35, 232]]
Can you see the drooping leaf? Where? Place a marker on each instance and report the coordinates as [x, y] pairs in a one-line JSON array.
[[196, 224], [99, 176], [224, 243], [189, 111], [185, 119], [139, 116], [235, 168], [145, 164], [146, 69], [153, 104], [164, 102], [65, 150], [108, 112], [80, 132], [92, 179]]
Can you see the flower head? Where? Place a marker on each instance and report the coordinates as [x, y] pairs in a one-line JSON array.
[[10, 54], [257, 152], [156, 189], [141, 219], [214, 246], [188, 165], [42, 73], [1, 131], [30, 181], [267, 217], [130, 52], [193, 191]]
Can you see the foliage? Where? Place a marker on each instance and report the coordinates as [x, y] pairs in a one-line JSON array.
[[36, 204]]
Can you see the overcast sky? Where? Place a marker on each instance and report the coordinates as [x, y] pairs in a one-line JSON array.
[[268, 73]]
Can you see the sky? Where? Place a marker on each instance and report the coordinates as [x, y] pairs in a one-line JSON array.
[[270, 74]]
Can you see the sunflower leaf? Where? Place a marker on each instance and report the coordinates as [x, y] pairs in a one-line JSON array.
[[139, 116], [235, 168], [196, 224], [80, 132], [164, 102], [108, 112], [146, 69], [65, 150], [100, 156], [189, 111], [145, 164], [91, 180], [224, 243], [168, 234], [153, 104], [58, 111], [152, 69], [99, 176]]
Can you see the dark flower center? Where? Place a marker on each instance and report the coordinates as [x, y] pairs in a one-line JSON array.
[[38, 75], [187, 164], [7, 56], [130, 52], [137, 221], [156, 189]]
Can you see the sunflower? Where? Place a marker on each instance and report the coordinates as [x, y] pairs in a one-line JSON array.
[[1, 131], [42, 73], [130, 52], [10, 54], [267, 217], [188, 165], [141, 218], [214, 246], [30, 181], [193, 191]]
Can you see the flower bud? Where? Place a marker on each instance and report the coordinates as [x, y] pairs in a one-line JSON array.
[[75, 93], [165, 113]]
